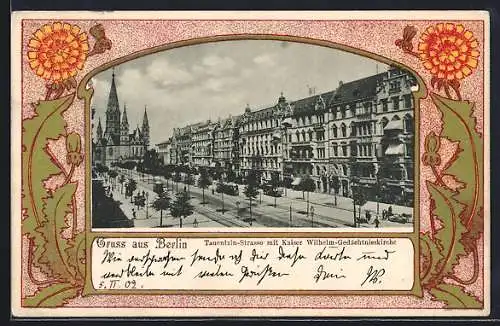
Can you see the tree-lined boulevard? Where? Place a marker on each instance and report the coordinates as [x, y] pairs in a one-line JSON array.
[[192, 200]]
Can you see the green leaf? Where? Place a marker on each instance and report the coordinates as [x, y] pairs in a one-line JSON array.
[[54, 295], [47, 124], [37, 166], [446, 210], [454, 296], [459, 125], [75, 253], [433, 255], [52, 253]]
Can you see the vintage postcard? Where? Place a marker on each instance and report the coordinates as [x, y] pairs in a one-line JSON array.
[[250, 163]]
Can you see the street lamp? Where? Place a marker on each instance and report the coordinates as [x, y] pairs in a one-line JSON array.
[[354, 181], [222, 192], [147, 197]]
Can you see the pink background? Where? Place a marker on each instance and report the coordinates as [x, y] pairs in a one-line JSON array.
[[376, 36]]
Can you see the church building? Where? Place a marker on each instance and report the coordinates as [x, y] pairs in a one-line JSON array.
[[117, 143]]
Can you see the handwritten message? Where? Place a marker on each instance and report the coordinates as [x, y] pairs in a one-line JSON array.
[[252, 264]]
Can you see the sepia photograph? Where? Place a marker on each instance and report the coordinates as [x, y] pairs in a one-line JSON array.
[[253, 134]]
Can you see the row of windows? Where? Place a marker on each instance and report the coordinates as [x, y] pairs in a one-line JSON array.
[[257, 125], [262, 150], [267, 163]]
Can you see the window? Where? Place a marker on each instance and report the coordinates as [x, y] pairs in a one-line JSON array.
[[298, 135], [407, 101], [395, 86], [385, 106], [334, 129], [290, 138], [335, 150], [344, 150], [354, 150], [343, 130], [408, 124], [395, 103], [342, 111], [303, 135], [408, 150], [353, 130]]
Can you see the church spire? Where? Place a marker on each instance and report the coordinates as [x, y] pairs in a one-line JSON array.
[[99, 129], [145, 127], [113, 104], [124, 116], [113, 113]]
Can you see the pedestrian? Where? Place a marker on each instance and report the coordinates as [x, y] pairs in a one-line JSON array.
[[389, 211], [195, 223], [133, 213], [368, 216], [312, 211], [377, 222], [384, 214]]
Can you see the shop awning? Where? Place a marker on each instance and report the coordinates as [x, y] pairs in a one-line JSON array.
[[296, 181], [394, 125], [395, 149]]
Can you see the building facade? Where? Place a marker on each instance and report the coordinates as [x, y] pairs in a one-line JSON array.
[[183, 142], [116, 143], [164, 150], [260, 139], [361, 134], [225, 146], [202, 143]]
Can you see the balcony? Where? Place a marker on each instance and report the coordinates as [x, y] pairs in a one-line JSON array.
[[302, 143], [394, 90]]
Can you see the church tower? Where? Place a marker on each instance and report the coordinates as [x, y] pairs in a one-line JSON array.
[[113, 113], [145, 128], [124, 127]]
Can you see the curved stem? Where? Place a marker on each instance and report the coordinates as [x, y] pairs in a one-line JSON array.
[[475, 275], [69, 175], [439, 180], [412, 53]]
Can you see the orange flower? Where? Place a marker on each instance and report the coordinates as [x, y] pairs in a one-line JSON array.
[[448, 51], [57, 51]]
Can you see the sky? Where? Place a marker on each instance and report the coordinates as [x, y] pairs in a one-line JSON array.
[[207, 81]]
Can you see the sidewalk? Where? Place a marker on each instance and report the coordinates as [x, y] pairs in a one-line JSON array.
[[153, 217]]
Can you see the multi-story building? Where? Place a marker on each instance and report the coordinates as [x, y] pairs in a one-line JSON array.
[[202, 139], [183, 140], [164, 150], [225, 146], [261, 140], [307, 140], [359, 134]]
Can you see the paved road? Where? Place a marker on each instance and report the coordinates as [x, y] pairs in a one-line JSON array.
[[264, 214]]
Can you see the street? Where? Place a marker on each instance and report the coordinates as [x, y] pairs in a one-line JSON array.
[[222, 210]]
